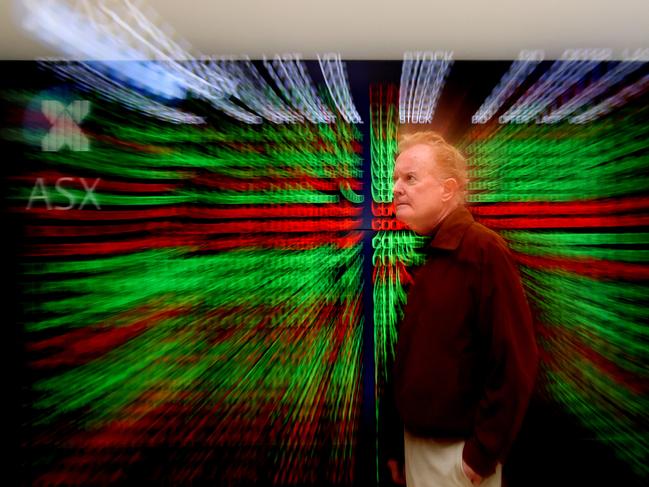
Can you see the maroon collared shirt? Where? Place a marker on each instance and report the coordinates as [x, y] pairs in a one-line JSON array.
[[466, 355]]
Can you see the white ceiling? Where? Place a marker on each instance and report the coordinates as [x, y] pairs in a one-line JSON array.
[[380, 29]]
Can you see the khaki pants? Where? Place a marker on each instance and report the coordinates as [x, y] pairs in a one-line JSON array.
[[438, 463]]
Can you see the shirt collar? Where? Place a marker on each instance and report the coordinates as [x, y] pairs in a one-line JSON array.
[[451, 230]]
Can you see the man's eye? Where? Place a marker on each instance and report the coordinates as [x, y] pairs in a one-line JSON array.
[[411, 178]]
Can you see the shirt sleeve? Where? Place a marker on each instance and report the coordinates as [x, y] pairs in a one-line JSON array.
[[512, 361]]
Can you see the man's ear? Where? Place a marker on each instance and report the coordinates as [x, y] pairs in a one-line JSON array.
[[451, 187]]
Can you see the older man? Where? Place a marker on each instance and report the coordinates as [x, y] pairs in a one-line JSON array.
[[466, 355]]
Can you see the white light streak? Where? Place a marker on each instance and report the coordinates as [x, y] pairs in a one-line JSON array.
[[600, 86], [562, 75], [335, 76], [130, 54], [422, 78], [615, 101], [119, 36], [253, 91], [518, 72], [291, 77], [90, 79]]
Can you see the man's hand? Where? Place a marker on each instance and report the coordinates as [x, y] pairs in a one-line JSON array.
[[396, 472], [471, 475]]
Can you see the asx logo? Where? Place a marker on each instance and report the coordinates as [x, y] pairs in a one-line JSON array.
[[40, 192], [65, 122], [52, 120]]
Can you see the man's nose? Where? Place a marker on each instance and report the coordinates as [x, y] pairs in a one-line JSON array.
[[397, 189]]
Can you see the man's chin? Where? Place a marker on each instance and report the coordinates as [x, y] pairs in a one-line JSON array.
[[401, 213], [401, 219]]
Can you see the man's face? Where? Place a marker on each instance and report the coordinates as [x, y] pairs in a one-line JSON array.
[[419, 196]]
